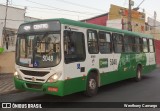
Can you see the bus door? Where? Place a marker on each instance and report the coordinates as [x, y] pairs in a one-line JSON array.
[[74, 55]]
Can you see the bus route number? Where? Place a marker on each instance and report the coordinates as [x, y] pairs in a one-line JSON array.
[[113, 61]]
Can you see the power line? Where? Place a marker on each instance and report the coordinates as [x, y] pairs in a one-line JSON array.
[[11, 20], [148, 13], [41, 8], [84, 6], [55, 13], [140, 3], [59, 9], [24, 20]]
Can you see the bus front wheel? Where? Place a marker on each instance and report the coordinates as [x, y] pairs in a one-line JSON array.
[[92, 85]]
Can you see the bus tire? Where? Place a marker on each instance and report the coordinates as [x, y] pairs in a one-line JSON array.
[[92, 85], [139, 74]]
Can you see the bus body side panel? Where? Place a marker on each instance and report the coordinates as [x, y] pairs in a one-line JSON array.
[[127, 67], [74, 85], [122, 69]]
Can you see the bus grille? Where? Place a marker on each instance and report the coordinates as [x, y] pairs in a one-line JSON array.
[[34, 86], [34, 73]]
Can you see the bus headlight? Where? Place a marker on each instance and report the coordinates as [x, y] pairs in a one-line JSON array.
[[54, 77], [17, 75]]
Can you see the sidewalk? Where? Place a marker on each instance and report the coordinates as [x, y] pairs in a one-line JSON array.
[[7, 84]]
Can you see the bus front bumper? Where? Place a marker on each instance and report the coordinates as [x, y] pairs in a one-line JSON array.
[[55, 88]]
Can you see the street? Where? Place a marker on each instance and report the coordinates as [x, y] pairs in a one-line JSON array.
[[147, 90]]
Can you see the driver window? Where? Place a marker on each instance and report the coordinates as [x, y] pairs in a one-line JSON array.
[[74, 46]]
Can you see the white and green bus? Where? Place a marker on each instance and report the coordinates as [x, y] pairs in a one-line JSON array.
[[61, 56]]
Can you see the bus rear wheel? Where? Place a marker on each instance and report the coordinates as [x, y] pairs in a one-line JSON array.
[[139, 74], [92, 85]]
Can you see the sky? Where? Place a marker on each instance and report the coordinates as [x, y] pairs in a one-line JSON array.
[[79, 9]]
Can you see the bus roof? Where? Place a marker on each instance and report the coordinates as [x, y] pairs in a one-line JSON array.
[[93, 26]]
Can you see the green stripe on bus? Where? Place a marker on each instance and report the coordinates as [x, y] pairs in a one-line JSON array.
[[65, 87]]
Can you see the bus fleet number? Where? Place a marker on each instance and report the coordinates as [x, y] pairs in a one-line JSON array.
[[47, 58], [113, 61]]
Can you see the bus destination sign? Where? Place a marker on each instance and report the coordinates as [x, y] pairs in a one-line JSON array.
[[39, 27]]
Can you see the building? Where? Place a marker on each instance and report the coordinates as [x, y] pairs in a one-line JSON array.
[[8, 30], [118, 18], [98, 20], [30, 19], [153, 27], [15, 17]]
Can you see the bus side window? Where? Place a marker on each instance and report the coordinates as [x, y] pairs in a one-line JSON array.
[[145, 45], [128, 43], [137, 45], [118, 42], [105, 45], [151, 45], [92, 41], [141, 44]]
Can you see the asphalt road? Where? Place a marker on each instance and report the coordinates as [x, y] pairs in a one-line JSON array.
[[147, 90]]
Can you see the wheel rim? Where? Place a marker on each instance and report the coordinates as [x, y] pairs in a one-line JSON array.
[[92, 84]]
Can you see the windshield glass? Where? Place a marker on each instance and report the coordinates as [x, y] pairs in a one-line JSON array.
[[41, 50]]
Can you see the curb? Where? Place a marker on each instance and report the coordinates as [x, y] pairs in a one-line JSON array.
[[11, 92], [3, 74]]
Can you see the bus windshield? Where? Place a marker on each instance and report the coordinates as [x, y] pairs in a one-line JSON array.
[[38, 50]]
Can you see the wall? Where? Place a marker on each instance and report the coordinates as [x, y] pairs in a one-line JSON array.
[[116, 23], [154, 27], [121, 13], [7, 64], [157, 47], [1, 28], [15, 16], [99, 20]]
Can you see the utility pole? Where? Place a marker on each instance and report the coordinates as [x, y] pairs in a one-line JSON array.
[[155, 18], [130, 16], [5, 20]]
